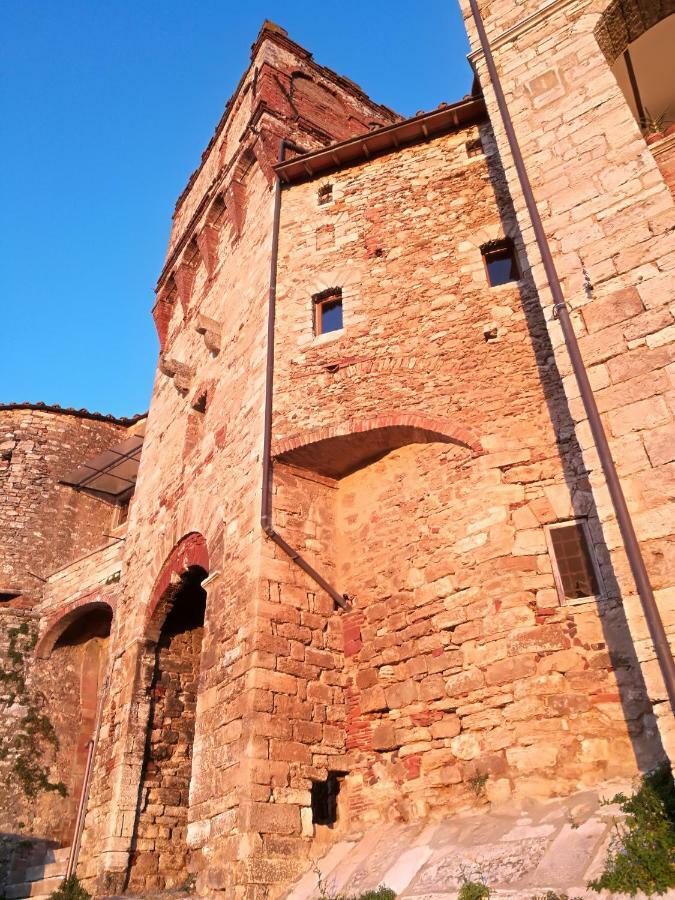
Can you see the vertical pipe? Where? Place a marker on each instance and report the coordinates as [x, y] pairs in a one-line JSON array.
[[630, 541], [266, 502]]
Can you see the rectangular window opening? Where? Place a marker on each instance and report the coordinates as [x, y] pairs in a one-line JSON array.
[[474, 147], [325, 194], [324, 799], [121, 511], [328, 311], [501, 263], [574, 564]]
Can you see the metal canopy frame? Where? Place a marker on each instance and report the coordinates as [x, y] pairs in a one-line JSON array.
[[112, 472]]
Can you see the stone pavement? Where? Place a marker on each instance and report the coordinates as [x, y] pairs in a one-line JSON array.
[[555, 845]]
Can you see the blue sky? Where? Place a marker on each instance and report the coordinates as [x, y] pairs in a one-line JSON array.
[[105, 108]]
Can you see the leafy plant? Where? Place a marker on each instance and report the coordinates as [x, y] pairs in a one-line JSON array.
[[641, 855], [326, 891], [473, 890], [477, 783], [553, 895], [382, 893], [24, 747], [70, 889], [654, 124]]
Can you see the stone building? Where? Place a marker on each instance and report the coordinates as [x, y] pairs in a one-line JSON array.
[[356, 338]]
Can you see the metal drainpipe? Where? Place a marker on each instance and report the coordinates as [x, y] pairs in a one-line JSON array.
[[266, 506], [630, 541]]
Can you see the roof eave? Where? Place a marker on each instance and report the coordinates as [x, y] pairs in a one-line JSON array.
[[411, 131]]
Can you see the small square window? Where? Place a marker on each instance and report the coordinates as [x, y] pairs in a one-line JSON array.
[[325, 194], [328, 311], [474, 147], [501, 263], [574, 566]]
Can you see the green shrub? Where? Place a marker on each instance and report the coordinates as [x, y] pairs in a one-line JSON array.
[[641, 855], [382, 893], [473, 890], [70, 889]]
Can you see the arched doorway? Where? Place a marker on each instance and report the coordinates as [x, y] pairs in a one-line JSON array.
[[70, 674], [160, 857]]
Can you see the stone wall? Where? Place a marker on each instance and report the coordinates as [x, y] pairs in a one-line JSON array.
[[606, 208], [43, 524], [41, 715]]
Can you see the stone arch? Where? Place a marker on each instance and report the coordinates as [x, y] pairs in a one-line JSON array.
[[171, 663], [624, 21], [64, 618], [337, 450], [190, 552]]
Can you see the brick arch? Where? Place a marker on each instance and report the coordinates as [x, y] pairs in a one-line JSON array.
[[65, 617], [342, 276], [624, 21], [335, 450], [189, 554]]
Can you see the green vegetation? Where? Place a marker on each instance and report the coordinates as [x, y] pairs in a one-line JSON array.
[[25, 745], [641, 855], [325, 891], [70, 889], [473, 890], [382, 893], [477, 783]]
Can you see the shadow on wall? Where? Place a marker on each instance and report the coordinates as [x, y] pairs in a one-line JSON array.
[[17, 852], [614, 639]]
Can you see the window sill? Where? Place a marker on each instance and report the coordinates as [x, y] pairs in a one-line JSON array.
[[510, 285], [580, 601], [327, 338]]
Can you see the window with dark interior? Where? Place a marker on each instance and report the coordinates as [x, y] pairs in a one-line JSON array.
[[474, 147], [501, 264], [327, 311], [325, 194], [324, 799], [574, 566]]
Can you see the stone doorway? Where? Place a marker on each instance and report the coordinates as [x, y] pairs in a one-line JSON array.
[[71, 676], [160, 856]]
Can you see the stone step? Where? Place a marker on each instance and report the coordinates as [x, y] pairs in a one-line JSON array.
[[57, 854], [46, 870], [32, 889]]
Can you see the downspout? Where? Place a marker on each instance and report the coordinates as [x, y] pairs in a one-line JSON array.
[[630, 541], [266, 520]]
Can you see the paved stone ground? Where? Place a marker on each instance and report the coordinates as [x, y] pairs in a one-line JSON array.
[[522, 853]]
